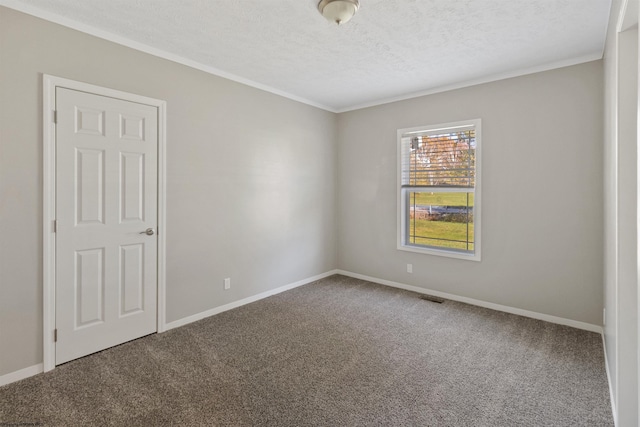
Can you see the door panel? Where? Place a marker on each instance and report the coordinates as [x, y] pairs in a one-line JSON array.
[[89, 175], [131, 279], [106, 197], [89, 287], [132, 187]]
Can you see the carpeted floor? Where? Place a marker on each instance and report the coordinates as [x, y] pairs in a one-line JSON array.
[[338, 352]]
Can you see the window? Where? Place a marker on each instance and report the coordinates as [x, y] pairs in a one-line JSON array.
[[439, 189]]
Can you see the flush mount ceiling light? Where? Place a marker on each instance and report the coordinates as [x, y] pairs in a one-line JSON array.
[[338, 11]]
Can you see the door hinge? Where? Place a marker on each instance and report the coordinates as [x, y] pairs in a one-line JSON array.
[[55, 116], [55, 225], [55, 335]]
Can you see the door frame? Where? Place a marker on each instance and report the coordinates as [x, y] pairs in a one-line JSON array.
[[49, 85]]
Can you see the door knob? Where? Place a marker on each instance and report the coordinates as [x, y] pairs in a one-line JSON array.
[[148, 232]]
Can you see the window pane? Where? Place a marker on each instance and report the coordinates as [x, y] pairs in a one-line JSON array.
[[442, 160], [441, 220]]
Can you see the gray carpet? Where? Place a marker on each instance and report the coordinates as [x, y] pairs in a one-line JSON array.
[[337, 352]]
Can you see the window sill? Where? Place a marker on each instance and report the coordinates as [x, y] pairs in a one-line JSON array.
[[440, 252]]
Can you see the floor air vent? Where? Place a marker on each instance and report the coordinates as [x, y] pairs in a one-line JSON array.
[[432, 298]]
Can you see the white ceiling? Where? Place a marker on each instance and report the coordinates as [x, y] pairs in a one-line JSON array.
[[391, 49]]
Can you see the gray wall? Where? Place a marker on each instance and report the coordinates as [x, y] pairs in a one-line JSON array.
[[621, 217], [542, 224], [611, 202], [627, 224], [251, 178]]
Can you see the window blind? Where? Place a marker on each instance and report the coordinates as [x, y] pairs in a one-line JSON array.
[[439, 158]]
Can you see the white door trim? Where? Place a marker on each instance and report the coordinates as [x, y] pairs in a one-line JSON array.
[[49, 84]]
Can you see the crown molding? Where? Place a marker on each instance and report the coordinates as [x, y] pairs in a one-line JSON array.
[[124, 41], [479, 81], [91, 30]]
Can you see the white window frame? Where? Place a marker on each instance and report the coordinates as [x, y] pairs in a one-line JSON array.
[[402, 199]]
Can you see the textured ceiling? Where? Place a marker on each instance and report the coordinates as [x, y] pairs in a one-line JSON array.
[[391, 49]]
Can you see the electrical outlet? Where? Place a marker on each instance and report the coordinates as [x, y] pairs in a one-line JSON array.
[[409, 268], [227, 283]]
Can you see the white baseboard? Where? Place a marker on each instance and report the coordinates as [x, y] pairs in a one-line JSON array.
[[248, 300], [606, 367], [21, 374], [36, 369], [498, 307], [39, 368]]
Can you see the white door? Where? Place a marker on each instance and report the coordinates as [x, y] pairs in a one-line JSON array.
[[106, 212]]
